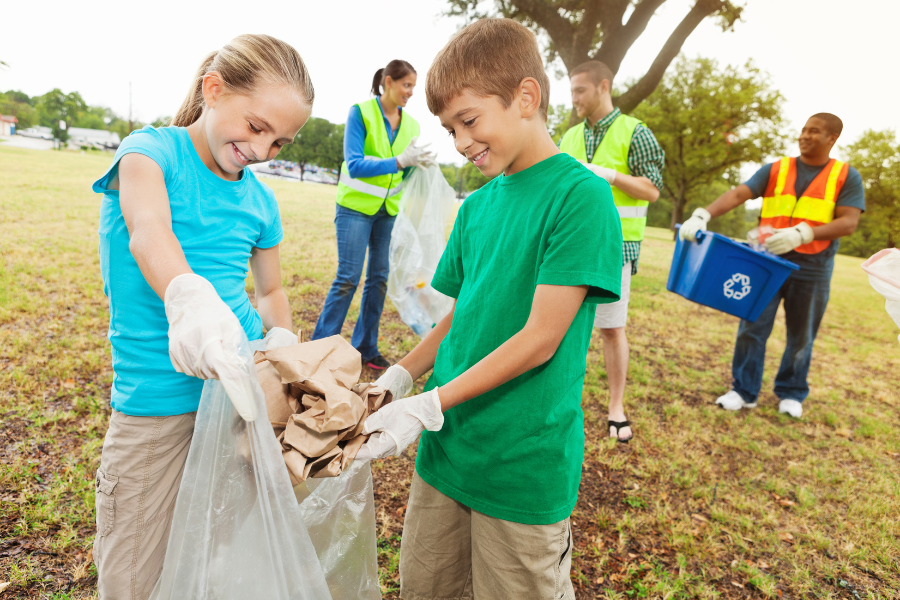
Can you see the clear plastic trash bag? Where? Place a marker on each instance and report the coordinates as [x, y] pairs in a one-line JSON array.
[[339, 513], [883, 269], [237, 531], [417, 242]]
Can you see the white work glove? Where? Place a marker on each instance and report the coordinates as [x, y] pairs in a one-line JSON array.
[[785, 240], [697, 222], [398, 424], [279, 337], [205, 337], [415, 156], [397, 380], [605, 172]]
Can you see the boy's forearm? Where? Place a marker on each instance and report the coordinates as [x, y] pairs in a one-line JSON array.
[[275, 310], [553, 309], [520, 353], [421, 359]]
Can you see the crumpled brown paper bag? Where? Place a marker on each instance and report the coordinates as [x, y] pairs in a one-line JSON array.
[[316, 405]]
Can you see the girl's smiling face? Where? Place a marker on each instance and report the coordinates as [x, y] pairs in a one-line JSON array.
[[243, 129]]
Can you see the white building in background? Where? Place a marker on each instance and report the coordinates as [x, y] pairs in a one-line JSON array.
[[93, 138], [8, 125]]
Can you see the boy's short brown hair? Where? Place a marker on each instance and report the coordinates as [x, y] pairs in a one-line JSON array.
[[490, 57]]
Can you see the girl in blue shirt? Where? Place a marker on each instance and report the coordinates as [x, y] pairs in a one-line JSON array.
[[181, 218]]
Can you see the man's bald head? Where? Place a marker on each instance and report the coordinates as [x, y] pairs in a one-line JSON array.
[[818, 137], [834, 125]]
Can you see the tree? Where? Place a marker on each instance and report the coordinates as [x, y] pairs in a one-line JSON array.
[[320, 142], [876, 155], [710, 121], [558, 121], [582, 30], [466, 178], [18, 105], [55, 106]]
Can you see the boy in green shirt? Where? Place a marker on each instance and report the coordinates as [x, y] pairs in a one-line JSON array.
[[499, 461]]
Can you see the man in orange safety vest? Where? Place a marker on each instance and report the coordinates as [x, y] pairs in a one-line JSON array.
[[810, 202]]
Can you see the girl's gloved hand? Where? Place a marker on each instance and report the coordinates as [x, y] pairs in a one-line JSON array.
[[398, 424], [205, 337], [397, 380], [279, 337]]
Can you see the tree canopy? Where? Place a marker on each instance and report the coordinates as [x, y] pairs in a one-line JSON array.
[[876, 155], [710, 121], [319, 143], [50, 108], [580, 30]]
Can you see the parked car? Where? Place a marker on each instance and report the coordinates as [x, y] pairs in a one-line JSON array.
[[44, 133]]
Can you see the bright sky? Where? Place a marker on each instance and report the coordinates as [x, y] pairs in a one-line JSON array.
[[823, 55]]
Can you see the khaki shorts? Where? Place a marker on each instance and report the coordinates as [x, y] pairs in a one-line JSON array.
[[140, 472], [615, 315], [451, 552]]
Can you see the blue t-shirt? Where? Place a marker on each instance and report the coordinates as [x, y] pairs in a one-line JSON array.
[[217, 223], [820, 265]]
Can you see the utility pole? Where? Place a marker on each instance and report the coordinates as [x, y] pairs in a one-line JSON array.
[[130, 124]]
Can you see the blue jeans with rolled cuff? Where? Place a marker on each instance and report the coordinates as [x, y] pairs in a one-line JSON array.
[[357, 232], [804, 307]]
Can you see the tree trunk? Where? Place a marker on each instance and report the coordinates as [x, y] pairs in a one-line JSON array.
[[678, 204]]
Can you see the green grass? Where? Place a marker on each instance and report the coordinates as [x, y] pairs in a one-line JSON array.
[[702, 504]]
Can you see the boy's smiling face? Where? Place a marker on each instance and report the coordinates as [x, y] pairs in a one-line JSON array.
[[488, 134]]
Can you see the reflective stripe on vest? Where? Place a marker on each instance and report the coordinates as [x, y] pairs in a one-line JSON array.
[[632, 212], [613, 153], [368, 194], [782, 209], [367, 188]]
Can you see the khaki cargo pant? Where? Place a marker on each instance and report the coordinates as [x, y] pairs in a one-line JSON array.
[[451, 552], [140, 471]]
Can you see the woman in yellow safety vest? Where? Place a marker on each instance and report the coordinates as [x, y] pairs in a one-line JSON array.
[[379, 149]]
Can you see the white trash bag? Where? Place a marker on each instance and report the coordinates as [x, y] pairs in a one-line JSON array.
[[237, 531], [417, 242], [884, 274], [339, 513]]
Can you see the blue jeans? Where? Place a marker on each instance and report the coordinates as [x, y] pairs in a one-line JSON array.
[[804, 307], [356, 232]]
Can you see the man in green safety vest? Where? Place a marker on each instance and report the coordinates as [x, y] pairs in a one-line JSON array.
[[623, 151]]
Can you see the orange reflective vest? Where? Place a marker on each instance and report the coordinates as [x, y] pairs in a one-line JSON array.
[[781, 208]]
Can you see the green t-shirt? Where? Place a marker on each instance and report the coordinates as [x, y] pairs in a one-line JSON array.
[[515, 453]]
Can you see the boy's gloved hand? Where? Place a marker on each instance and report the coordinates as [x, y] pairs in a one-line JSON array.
[[397, 380], [415, 156], [398, 424], [605, 172], [697, 222], [279, 337], [204, 338], [785, 240]]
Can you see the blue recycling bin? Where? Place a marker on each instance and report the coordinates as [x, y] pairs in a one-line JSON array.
[[718, 272]]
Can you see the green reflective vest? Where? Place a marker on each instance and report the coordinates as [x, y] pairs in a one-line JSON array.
[[367, 194], [613, 153]]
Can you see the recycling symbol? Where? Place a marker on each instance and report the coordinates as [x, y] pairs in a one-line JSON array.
[[731, 286]]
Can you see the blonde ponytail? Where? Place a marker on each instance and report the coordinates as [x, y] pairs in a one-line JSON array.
[[192, 107], [243, 64]]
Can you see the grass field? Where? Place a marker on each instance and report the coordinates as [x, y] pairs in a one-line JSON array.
[[702, 504]]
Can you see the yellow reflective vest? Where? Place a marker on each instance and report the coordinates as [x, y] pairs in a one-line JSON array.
[[613, 153], [367, 194]]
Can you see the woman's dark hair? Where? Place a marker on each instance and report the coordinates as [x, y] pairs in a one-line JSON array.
[[396, 69]]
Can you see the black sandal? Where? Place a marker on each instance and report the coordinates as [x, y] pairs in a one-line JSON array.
[[619, 425]]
